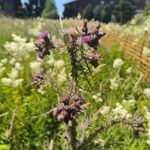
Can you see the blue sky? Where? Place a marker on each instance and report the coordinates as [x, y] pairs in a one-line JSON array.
[[59, 5]]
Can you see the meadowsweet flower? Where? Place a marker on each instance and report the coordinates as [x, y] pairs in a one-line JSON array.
[[17, 82], [19, 48], [146, 52], [2, 69], [18, 66], [12, 61], [120, 113], [59, 64], [148, 142], [51, 60], [6, 81], [35, 67], [146, 29], [18, 38], [1, 64], [147, 92], [41, 91], [105, 110], [61, 78], [129, 70], [4, 61], [130, 102], [13, 74], [117, 63], [97, 97], [114, 83]]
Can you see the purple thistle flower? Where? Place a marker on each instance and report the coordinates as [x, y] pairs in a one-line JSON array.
[[86, 39], [43, 35]]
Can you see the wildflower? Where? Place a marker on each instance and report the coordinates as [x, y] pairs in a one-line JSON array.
[[71, 105], [105, 110], [4, 61], [41, 90], [120, 113], [43, 35], [37, 80], [93, 58], [17, 82], [97, 97], [43, 45], [138, 126], [59, 64], [146, 52], [114, 83], [147, 92], [61, 78], [12, 61], [146, 29], [86, 39], [129, 70], [13, 74], [117, 63], [35, 67], [51, 60], [130, 102], [2, 70], [18, 66], [6, 81]]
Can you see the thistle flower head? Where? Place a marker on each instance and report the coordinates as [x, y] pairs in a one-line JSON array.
[[70, 105], [43, 35]]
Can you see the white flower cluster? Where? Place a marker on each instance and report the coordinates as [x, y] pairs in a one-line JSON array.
[[130, 102], [12, 79], [19, 48], [146, 52], [120, 113], [37, 29], [129, 70], [147, 92], [105, 110], [117, 63], [58, 70], [114, 83], [2, 67], [97, 97], [35, 67]]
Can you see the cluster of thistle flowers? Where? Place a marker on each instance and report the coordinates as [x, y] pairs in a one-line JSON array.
[[70, 105], [56, 67], [43, 45], [92, 40]]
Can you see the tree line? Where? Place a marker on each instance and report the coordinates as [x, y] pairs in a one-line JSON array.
[[118, 11], [32, 8]]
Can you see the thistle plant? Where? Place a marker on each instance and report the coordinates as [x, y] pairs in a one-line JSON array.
[[43, 45]]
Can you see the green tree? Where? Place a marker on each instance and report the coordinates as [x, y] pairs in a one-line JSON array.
[[125, 10], [106, 13], [88, 12], [50, 10], [97, 12]]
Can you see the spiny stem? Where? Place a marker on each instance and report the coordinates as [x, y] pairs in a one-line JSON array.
[[72, 135]]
